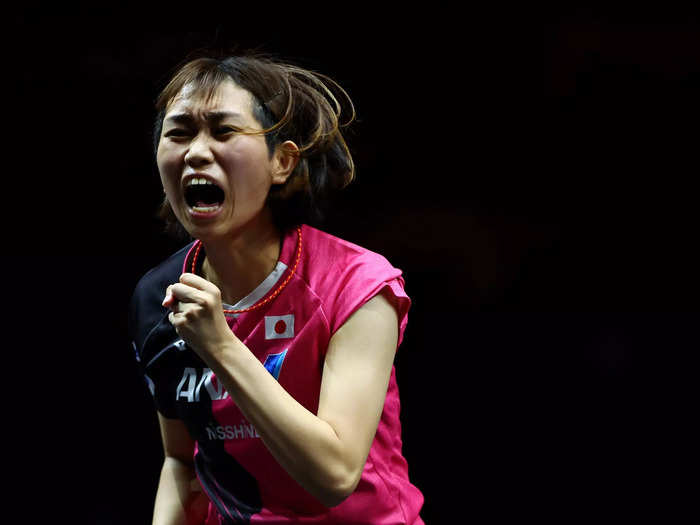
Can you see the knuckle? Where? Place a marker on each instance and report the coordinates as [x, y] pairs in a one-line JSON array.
[[207, 300]]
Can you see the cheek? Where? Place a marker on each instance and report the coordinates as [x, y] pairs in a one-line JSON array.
[[249, 168], [167, 167]]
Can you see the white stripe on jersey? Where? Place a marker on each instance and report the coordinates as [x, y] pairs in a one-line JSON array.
[[260, 291]]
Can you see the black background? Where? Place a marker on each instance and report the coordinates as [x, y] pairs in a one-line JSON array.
[[532, 172]]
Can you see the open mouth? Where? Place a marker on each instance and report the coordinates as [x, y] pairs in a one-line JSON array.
[[203, 196]]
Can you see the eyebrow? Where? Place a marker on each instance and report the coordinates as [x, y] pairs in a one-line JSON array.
[[210, 116]]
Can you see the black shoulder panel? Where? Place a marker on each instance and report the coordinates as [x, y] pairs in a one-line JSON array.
[[146, 311]]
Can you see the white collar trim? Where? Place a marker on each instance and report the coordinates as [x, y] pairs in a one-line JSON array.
[[260, 291]]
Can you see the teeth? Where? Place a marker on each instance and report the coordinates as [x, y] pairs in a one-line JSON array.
[[204, 209], [191, 182]]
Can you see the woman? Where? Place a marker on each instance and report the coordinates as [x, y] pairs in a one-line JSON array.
[[267, 344]]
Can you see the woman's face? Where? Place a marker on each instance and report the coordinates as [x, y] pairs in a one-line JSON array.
[[215, 178]]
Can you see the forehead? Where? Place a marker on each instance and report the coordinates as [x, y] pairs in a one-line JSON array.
[[227, 96]]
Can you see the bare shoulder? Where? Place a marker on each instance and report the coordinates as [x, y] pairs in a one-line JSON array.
[[376, 320]]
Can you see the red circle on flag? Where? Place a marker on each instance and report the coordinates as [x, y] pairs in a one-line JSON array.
[[280, 327]]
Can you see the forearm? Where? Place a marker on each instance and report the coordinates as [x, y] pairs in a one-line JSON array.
[[174, 496], [307, 447]]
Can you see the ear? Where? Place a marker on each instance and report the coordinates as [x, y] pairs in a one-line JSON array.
[[284, 161]]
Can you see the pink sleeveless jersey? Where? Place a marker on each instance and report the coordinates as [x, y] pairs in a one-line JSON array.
[[290, 335]]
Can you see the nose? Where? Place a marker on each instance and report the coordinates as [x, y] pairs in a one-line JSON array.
[[199, 152]]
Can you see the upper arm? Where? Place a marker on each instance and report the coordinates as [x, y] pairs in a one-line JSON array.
[[356, 375], [177, 442]]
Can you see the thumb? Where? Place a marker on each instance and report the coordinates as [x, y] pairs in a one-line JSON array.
[[169, 299]]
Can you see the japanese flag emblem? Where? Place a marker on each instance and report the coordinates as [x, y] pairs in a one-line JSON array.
[[279, 326]]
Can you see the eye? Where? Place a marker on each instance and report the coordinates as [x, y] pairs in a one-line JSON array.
[[225, 130], [177, 132]]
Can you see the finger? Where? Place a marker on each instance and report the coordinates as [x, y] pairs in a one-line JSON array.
[[187, 294], [198, 282], [177, 319], [176, 306], [169, 299]]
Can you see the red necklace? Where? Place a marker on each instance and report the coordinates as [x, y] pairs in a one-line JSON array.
[[271, 296]]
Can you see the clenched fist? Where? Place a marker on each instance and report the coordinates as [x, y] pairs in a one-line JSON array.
[[197, 315]]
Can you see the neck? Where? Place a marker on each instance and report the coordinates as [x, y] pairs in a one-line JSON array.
[[237, 264]]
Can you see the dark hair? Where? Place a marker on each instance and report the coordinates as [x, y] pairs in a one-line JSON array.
[[290, 103]]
